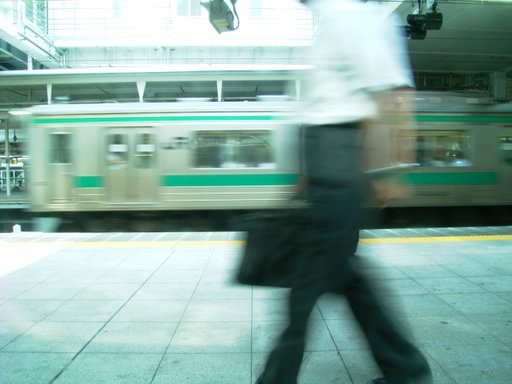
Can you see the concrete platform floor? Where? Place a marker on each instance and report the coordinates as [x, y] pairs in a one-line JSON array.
[[162, 308]]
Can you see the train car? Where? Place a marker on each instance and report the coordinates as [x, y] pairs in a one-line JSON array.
[[179, 157], [464, 153], [464, 176], [163, 160]]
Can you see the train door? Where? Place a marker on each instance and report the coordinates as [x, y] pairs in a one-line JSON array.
[[505, 167], [131, 165], [60, 167]]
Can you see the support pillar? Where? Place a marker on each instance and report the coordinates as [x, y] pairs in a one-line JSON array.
[[498, 85], [49, 93], [141, 87], [7, 160], [219, 90]]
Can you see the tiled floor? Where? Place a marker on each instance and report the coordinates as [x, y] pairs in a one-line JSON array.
[[162, 308]]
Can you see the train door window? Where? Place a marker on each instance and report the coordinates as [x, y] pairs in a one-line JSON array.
[[60, 148], [145, 150], [443, 148], [234, 149], [117, 150], [506, 150]]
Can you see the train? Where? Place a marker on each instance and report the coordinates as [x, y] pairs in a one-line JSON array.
[[160, 162], [174, 164]]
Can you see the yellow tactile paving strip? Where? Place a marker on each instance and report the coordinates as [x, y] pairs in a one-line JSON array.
[[433, 239], [215, 243]]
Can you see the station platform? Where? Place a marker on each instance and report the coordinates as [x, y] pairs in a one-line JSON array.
[[155, 308]]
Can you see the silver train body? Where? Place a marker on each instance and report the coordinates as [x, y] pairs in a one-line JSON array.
[[218, 156], [159, 157]]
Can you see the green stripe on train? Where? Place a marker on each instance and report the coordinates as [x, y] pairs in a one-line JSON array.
[[423, 178], [228, 180], [454, 178], [202, 180], [88, 182], [465, 119], [132, 119], [431, 178]]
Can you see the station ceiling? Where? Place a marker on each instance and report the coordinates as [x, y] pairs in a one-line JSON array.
[[476, 37]]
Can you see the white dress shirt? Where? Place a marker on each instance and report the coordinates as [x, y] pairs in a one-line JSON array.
[[358, 50]]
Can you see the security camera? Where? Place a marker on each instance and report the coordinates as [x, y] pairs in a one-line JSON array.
[[420, 23], [220, 15], [428, 21], [415, 33]]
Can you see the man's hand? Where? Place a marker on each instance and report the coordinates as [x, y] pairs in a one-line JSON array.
[[387, 190]]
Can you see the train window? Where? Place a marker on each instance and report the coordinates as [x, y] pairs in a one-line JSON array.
[[443, 148], [117, 150], [506, 150], [234, 149], [145, 150], [60, 148]]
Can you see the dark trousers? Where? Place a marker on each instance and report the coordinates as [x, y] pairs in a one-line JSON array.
[[326, 264]]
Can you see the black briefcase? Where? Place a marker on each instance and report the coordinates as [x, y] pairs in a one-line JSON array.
[[271, 249]]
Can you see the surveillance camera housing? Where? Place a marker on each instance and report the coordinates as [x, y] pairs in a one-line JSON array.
[[428, 21], [415, 33], [220, 16], [434, 20]]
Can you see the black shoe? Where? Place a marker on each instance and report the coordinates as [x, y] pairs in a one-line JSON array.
[[380, 380], [421, 379]]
